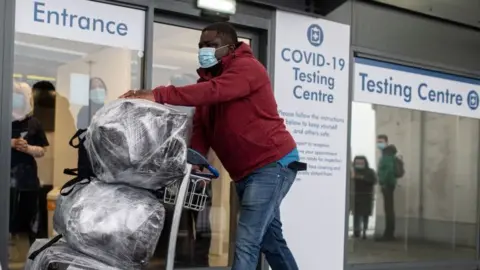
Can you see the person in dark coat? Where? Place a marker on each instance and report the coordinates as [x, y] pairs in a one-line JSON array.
[[363, 180], [28, 142], [387, 179]]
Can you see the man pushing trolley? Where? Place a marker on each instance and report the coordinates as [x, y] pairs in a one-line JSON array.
[[236, 115]]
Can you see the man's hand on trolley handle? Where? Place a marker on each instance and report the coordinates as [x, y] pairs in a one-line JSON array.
[[139, 94]]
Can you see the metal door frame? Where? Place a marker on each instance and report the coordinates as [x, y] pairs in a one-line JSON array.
[[7, 37]]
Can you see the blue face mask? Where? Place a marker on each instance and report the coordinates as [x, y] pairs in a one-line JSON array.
[[97, 95], [18, 101], [207, 58], [381, 145]]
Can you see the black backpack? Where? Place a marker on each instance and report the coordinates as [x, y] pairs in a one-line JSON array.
[[399, 167], [84, 171]]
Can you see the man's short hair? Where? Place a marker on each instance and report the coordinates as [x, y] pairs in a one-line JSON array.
[[382, 137], [43, 85], [225, 29]]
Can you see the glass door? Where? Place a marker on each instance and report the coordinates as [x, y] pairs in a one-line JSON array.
[[204, 238]]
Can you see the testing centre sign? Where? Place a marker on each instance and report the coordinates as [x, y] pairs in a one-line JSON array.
[[83, 21], [311, 88], [417, 89]]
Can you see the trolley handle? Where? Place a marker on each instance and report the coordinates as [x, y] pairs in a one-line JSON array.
[[204, 175], [195, 158], [213, 172]]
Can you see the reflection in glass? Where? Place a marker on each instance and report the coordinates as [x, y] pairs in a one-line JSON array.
[[96, 99], [28, 142], [363, 180], [426, 166]]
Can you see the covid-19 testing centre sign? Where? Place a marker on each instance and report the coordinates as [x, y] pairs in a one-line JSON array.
[[311, 83], [407, 87]]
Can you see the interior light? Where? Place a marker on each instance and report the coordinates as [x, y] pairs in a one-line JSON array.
[[33, 77], [39, 78], [220, 6], [47, 48]]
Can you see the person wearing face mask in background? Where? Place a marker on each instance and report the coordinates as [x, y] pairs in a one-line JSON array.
[[97, 97], [387, 178], [28, 142], [363, 181], [237, 116]]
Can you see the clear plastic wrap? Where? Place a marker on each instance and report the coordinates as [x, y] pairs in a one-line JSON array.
[[116, 224], [138, 143], [61, 257]]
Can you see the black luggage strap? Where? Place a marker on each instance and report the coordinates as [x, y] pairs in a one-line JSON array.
[[81, 177], [47, 245], [77, 136], [69, 186], [72, 172]]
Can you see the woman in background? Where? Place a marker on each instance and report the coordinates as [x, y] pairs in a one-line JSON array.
[[363, 180], [97, 97], [28, 142]]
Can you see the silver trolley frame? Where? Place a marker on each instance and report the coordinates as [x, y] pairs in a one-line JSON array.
[[190, 193]]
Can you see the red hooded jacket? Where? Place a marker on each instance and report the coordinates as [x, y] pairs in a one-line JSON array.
[[236, 114]]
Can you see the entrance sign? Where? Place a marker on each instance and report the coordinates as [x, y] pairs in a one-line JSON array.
[[82, 20], [311, 89], [414, 88]]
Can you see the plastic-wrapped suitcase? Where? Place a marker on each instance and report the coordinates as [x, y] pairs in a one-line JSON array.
[[190, 193], [138, 143], [60, 256], [117, 224]]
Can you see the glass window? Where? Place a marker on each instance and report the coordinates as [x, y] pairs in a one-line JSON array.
[[430, 212], [65, 81], [204, 237]]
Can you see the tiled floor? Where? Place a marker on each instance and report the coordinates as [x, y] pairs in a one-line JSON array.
[[370, 251]]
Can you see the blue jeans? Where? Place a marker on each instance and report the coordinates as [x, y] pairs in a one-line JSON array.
[[259, 227]]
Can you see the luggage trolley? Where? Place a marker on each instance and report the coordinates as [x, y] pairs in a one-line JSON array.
[[190, 193]]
